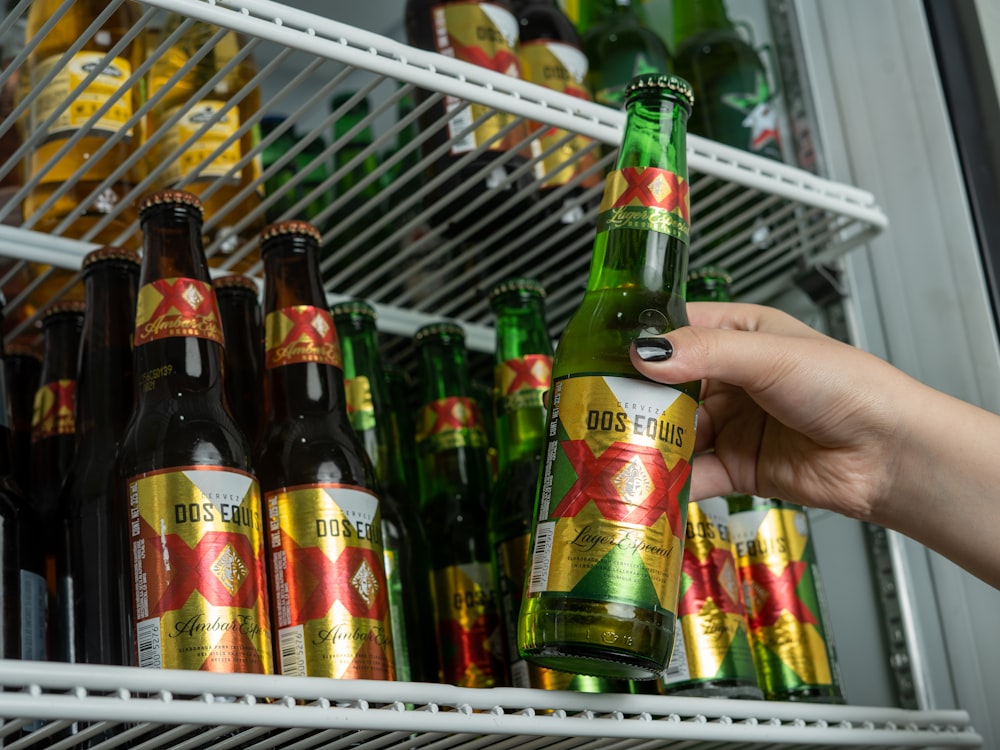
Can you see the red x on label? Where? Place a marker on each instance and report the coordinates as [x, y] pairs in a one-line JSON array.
[[534, 372], [705, 583], [640, 181], [188, 297], [771, 594]]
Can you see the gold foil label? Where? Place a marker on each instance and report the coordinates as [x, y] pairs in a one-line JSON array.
[[94, 96], [484, 34], [177, 307], [54, 410], [614, 491], [522, 383], [198, 570], [647, 199], [448, 423], [330, 589], [563, 68], [301, 333], [468, 625]]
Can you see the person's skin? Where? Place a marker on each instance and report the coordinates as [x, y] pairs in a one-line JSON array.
[[790, 413]]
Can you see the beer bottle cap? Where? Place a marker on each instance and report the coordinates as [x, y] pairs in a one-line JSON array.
[[651, 81], [110, 253], [353, 307], [235, 281], [169, 197], [517, 285], [64, 306], [290, 227], [710, 272], [443, 329]]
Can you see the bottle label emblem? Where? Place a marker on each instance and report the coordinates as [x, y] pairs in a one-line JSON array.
[[301, 333], [197, 542], [522, 383], [330, 590], [647, 199], [54, 411], [614, 492], [452, 422], [174, 307]]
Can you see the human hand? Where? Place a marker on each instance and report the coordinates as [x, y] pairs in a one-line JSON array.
[[786, 411]]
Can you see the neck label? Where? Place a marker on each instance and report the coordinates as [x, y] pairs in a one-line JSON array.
[[177, 307], [648, 199], [301, 333]]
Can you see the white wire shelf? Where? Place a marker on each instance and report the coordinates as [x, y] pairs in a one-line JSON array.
[[304, 59], [107, 707]]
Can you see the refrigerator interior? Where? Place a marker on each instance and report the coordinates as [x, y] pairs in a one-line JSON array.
[[910, 629]]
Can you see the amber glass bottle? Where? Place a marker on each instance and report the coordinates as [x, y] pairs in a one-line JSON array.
[[221, 179], [454, 497], [12, 501], [243, 328], [197, 533], [22, 368], [92, 616], [329, 591]]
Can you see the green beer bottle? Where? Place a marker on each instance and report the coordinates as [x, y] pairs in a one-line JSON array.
[[620, 46], [369, 408], [522, 376], [709, 284], [789, 631], [608, 541], [454, 482]]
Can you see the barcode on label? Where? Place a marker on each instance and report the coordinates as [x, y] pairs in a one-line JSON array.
[[519, 674], [292, 648], [147, 636], [541, 557], [678, 669]]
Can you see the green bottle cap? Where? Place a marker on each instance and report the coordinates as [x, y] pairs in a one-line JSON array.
[[354, 307], [444, 330], [517, 285], [651, 81], [711, 272]]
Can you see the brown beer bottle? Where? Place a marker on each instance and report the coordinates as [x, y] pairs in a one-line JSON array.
[[93, 617], [196, 531], [243, 328], [22, 368], [330, 595], [53, 440], [11, 503]]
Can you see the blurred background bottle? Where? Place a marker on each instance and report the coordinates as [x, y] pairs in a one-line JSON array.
[[93, 617], [792, 644], [11, 44], [211, 122], [22, 369], [275, 183], [243, 329], [454, 498], [484, 34], [620, 46], [12, 505], [709, 284], [374, 419]]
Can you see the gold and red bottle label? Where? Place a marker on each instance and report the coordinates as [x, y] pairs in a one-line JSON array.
[[298, 334], [54, 410], [613, 492], [177, 306], [468, 625], [647, 199], [448, 423], [331, 596], [360, 409], [711, 642], [200, 588], [783, 599], [484, 34], [522, 383], [205, 139], [560, 67]]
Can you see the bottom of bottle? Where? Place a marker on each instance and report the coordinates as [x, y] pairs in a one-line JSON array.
[[603, 639]]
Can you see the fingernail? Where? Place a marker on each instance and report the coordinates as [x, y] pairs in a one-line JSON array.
[[653, 349]]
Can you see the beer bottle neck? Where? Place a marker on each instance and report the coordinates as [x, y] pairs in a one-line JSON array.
[[62, 344], [104, 396], [172, 246], [647, 192], [694, 17]]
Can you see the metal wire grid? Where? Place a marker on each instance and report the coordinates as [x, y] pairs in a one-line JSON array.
[[62, 706], [416, 280]]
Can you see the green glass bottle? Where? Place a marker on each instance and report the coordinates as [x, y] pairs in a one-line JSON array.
[[735, 102], [522, 376], [619, 47], [277, 179], [454, 495], [315, 170], [709, 284], [712, 649], [373, 418], [607, 545], [789, 627]]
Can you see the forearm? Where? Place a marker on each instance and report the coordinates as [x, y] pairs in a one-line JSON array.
[[945, 488]]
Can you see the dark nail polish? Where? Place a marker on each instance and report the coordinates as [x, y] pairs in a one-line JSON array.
[[653, 349]]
